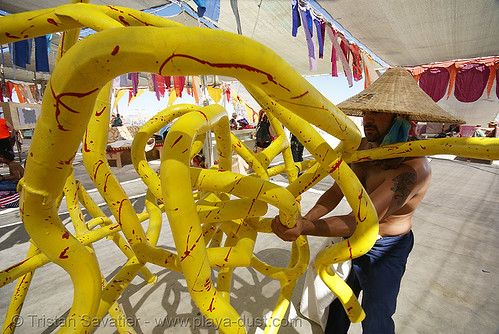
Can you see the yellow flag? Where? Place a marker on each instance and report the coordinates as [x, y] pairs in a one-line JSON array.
[[173, 97], [119, 95], [215, 93]]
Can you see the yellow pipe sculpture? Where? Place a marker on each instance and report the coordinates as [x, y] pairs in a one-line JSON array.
[[215, 227]]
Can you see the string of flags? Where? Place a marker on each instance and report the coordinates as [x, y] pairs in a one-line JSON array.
[[354, 60], [172, 87], [25, 93]]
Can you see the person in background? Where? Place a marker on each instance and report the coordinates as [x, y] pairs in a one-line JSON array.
[[296, 149], [16, 172], [117, 121], [413, 132], [243, 124], [264, 132], [233, 122], [198, 161], [6, 133], [492, 130]]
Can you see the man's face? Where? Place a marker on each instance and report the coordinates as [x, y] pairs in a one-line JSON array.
[[377, 125]]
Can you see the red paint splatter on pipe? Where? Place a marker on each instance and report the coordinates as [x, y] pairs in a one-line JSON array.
[[12, 36], [299, 96], [65, 235], [176, 141], [358, 212], [119, 210], [141, 21], [100, 112], [223, 65], [350, 248], [202, 113], [16, 265], [105, 181], [211, 308], [59, 103], [67, 162], [122, 20], [52, 21], [99, 163], [228, 253], [336, 165], [63, 253]]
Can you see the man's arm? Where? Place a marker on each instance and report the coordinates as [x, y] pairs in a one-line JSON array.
[[397, 189], [311, 224], [326, 203], [11, 128]]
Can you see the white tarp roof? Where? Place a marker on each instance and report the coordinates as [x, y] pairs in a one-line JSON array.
[[401, 32], [417, 32]]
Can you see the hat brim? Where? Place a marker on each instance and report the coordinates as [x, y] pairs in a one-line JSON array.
[[397, 92]]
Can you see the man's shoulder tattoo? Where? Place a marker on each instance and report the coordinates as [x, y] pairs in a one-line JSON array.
[[402, 182]]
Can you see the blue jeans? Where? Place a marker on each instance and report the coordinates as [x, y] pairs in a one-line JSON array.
[[378, 274], [6, 185]]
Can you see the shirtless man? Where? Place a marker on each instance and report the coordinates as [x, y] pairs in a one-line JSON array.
[[396, 187]]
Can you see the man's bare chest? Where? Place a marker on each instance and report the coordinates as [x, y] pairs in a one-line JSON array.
[[370, 175]]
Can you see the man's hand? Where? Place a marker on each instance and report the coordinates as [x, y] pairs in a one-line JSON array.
[[286, 233]]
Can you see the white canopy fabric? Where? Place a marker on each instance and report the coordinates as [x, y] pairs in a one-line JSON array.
[[410, 33], [401, 33]]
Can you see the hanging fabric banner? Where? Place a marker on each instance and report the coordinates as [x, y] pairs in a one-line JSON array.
[[296, 21], [308, 34], [196, 85], [434, 82], [344, 62], [160, 83], [178, 84], [41, 53], [320, 37]]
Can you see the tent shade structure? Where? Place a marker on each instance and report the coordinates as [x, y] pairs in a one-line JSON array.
[[410, 33]]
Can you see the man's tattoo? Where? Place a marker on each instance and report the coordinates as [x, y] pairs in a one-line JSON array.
[[401, 186]]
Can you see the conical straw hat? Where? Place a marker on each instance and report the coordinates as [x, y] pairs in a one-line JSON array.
[[397, 92]]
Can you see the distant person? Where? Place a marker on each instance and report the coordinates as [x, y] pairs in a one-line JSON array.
[[492, 132], [413, 132], [117, 121], [6, 133], [264, 132], [198, 161], [296, 149], [244, 124], [233, 122], [16, 172]]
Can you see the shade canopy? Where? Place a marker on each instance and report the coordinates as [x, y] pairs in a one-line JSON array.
[[401, 33], [409, 33]]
